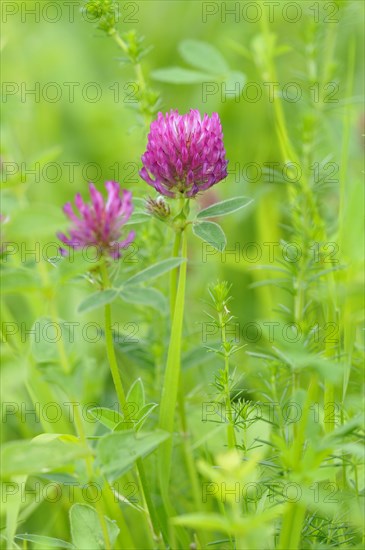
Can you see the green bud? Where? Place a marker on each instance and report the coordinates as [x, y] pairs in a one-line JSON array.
[[104, 12], [158, 208]]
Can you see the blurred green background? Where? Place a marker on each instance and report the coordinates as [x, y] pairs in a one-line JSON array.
[[70, 141], [100, 140]]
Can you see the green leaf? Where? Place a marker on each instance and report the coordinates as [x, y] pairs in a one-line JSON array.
[[139, 204], [238, 48], [138, 217], [136, 394], [31, 457], [225, 207], [178, 75], [211, 233], [49, 542], [117, 452], [14, 501], [71, 266], [55, 477], [108, 417], [203, 56], [143, 414], [234, 81], [46, 438], [154, 271], [86, 530], [144, 296], [97, 299], [217, 522], [206, 522]]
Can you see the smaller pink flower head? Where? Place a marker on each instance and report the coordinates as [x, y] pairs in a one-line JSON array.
[[100, 223], [185, 154]]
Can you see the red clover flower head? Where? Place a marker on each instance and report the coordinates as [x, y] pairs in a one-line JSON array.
[[185, 154], [100, 222]]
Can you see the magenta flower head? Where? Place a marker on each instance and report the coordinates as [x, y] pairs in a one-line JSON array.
[[100, 222], [185, 154]]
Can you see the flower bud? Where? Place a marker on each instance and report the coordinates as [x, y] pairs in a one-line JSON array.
[[158, 208]]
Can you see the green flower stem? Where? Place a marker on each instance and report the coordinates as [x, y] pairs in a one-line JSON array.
[[109, 341], [292, 526], [187, 448], [294, 513], [169, 399], [137, 69], [186, 445], [106, 491], [155, 524], [122, 399], [124, 540], [172, 373], [175, 254], [174, 273], [140, 76], [119, 40]]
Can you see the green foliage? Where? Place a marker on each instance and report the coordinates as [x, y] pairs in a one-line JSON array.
[[266, 443], [117, 452], [224, 207], [97, 300], [210, 63], [31, 457], [48, 542], [144, 296], [201, 55], [104, 12], [212, 233], [86, 530], [153, 272], [133, 415]]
